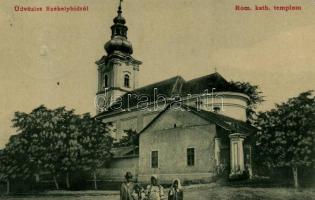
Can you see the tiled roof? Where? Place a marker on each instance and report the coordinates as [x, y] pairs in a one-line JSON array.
[[172, 87], [125, 152], [227, 123], [208, 82], [224, 121]]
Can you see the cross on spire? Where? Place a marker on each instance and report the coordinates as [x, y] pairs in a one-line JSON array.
[[119, 7]]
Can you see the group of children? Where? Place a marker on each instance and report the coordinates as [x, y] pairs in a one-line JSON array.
[[154, 191]]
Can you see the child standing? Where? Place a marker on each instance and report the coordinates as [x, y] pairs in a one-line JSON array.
[[176, 192]]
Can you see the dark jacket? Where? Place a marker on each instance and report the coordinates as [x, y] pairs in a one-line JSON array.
[[126, 191], [175, 195]]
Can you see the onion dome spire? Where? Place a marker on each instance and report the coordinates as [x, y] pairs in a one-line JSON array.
[[119, 40], [119, 19]]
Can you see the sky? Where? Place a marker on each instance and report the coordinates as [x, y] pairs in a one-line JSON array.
[[191, 38]]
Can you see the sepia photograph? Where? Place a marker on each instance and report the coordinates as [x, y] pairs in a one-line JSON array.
[[157, 100]]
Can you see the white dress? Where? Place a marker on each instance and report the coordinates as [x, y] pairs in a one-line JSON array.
[[155, 192]]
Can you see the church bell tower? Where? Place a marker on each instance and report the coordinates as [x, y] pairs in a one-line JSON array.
[[118, 70]]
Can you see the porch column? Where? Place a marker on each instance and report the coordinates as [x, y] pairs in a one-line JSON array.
[[237, 153], [217, 149]]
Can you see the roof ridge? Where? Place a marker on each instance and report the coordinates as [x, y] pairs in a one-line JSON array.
[[176, 83], [223, 124], [155, 118], [214, 117], [208, 75], [225, 117], [158, 82]]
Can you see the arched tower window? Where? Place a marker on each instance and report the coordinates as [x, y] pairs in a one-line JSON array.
[[126, 80], [106, 80]]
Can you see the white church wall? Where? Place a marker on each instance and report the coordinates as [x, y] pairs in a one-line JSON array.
[[227, 103], [135, 120]]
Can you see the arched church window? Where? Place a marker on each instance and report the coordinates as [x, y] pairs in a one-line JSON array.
[[126, 81], [106, 80]]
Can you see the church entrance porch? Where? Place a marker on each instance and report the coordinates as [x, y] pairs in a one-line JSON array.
[[237, 154]]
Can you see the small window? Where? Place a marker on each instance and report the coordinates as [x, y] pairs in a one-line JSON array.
[[154, 159], [126, 81], [106, 80], [190, 156]]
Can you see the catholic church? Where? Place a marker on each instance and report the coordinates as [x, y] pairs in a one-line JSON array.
[[187, 129]]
